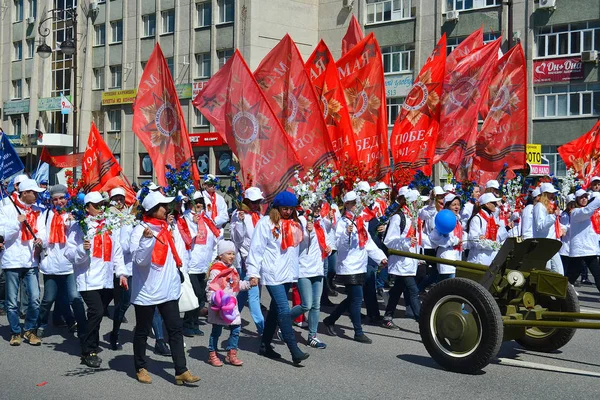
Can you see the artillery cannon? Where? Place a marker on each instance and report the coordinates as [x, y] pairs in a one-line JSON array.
[[464, 320]]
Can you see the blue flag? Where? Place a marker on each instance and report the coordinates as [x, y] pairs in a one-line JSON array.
[[10, 163], [42, 173]]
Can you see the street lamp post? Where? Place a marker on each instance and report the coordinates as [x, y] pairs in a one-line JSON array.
[[69, 48]]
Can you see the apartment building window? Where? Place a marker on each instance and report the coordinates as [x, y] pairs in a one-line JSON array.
[[199, 119], [149, 23], [114, 121], [116, 77], [18, 10], [557, 165], [168, 21], [453, 42], [30, 48], [33, 8], [18, 51], [567, 100], [116, 31], [99, 35], [144, 63], [203, 14], [16, 125], [145, 165], [98, 78], [567, 40], [393, 109], [202, 65], [226, 10], [27, 92], [17, 89], [171, 65], [388, 10], [398, 58], [224, 56], [461, 5]]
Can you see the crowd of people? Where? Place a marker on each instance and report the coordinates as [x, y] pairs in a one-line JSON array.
[[224, 258]]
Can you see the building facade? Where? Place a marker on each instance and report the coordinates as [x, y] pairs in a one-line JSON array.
[[116, 37]]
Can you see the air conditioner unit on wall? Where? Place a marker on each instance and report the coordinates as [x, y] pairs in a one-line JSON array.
[[548, 4], [452, 15], [347, 3], [589, 56]]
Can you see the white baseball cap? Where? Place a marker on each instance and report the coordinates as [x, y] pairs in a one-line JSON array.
[[381, 186], [153, 186], [93, 197], [488, 198], [363, 186], [155, 198], [30, 184], [580, 193], [197, 195], [20, 178], [595, 178], [403, 191], [492, 184], [412, 195], [536, 192], [438, 191], [547, 187], [571, 197], [117, 192], [449, 187], [450, 197], [350, 196], [253, 194]]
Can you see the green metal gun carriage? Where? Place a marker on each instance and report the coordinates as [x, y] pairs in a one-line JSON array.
[[464, 320]]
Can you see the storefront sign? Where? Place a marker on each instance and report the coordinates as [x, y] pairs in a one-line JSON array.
[[557, 70], [398, 85], [50, 103], [16, 107], [206, 139], [539, 169], [189, 90], [115, 97], [534, 153]]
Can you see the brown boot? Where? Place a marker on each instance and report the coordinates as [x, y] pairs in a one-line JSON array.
[[32, 338], [186, 377], [232, 358], [213, 359], [143, 376]]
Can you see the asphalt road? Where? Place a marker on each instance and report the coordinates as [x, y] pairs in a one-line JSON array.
[[396, 365]]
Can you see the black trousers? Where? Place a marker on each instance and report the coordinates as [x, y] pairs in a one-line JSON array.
[[96, 302], [578, 264], [143, 324], [190, 318]]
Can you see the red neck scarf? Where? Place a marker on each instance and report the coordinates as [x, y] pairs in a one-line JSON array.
[[411, 231], [184, 231], [596, 221], [255, 217], [203, 223], [102, 243], [320, 233], [57, 229], [363, 236], [291, 233], [491, 232], [368, 214], [382, 205], [213, 202], [164, 241], [32, 217], [458, 232], [325, 209]]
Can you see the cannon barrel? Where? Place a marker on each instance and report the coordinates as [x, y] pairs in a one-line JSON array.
[[431, 259]]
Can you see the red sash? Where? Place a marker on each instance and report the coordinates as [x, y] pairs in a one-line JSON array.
[[491, 231], [213, 202], [163, 243], [291, 233], [203, 223], [458, 232], [102, 244], [184, 231], [32, 217], [320, 232], [596, 221], [325, 208], [557, 228], [363, 236], [368, 214], [255, 217], [57, 229]]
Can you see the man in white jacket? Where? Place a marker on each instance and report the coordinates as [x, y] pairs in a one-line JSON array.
[[216, 207], [21, 226]]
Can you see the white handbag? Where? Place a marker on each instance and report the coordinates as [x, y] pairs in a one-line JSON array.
[[188, 300]]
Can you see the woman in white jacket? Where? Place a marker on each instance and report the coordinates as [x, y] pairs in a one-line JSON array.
[[527, 215], [584, 249], [273, 258], [95, 254], [449, 246], [156, 283], [565, 220], [355, 246], [485, 235], [546, 223]]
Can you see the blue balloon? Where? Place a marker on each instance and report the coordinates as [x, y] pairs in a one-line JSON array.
[[445, 221], [81, 198]]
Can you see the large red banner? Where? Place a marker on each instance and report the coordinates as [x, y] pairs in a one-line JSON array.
[[62, 161], [353, 35], [99, 163], [583, 154], [472, 42], [557, 70], [361, 76], [234, 104], [416, 129]]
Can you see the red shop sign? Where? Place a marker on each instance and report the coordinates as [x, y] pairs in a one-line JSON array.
[[206, 139], [557, 70]]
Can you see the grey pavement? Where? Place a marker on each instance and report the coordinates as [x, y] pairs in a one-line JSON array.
[[396, 365]]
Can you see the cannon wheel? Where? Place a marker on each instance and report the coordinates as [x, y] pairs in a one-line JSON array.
[[550, 339], [461, 325]]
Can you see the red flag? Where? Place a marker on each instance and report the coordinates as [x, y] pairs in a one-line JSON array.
[[472, 42], [283, 79], [361, 76], [324, 76], [233, 102], [461, 101], [158, 120], [503, 136], [62, 161], [353, 35], [99, 163], [416, 129], [583, 153]]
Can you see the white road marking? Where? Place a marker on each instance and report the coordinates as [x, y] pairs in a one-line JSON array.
[[544, 367]]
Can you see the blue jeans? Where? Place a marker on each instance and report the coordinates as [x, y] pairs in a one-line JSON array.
[[442, 277], [157, 326], [13, 279], [279, 314], [122, 303], [232, 342], [55, 287], [369, 291], [310, 294], [351, 304], [2, 291], [252, 298], [406, 284], [329, 264], [382, 277]]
